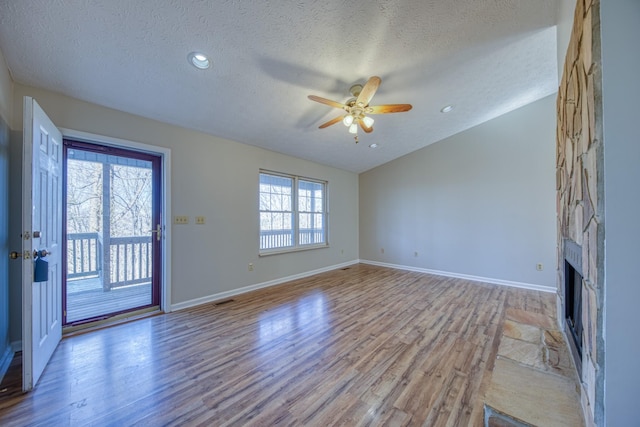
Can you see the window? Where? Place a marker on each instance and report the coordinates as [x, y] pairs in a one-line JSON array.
[[293, 212]]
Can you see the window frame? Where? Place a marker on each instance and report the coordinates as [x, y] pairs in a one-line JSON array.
[[295, 211]]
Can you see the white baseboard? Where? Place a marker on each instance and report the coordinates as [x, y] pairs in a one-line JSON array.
[[521, 285], [245, 289], [5, 360]]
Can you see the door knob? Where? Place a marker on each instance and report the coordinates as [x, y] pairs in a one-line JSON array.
[[16, 255], [36, 234], [41, 253]]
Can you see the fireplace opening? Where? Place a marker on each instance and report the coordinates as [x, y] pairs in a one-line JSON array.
[[573, 300], [573, 309]]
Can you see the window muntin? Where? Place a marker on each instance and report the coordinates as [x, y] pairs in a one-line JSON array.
[[292, 212]]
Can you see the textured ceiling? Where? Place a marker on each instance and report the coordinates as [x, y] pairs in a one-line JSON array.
[[486, 57]]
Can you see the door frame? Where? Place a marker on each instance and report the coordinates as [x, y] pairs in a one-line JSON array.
[[165, 196]]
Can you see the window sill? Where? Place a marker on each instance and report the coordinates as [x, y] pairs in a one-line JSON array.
[[289, 250]]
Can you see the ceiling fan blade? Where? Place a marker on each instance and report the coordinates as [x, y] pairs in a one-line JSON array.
[[368, 91], [331, 122], [389, 108], [364, 127], [327, 102]]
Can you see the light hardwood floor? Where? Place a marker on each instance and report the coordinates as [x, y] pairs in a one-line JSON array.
[[362, 346]]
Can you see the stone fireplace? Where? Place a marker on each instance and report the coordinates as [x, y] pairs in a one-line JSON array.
[[580, 208]]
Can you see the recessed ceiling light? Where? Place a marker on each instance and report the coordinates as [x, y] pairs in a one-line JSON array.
[[374, 145], [446, 109], [199, 60]]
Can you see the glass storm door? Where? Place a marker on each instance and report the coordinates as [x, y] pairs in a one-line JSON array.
[[112, 220]]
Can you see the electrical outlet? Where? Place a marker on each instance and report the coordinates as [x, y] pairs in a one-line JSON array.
[[250, 266], [539, 266], [180, 219], [200, 220], [381, 250]]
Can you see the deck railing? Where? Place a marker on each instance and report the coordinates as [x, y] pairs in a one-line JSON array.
[[271, 239], [124, 261], [309, 236], [84, 255], [130, 260]]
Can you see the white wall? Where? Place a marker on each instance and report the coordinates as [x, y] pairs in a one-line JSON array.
[[479, 203], [218, 179], [620, 31], [6, 91]]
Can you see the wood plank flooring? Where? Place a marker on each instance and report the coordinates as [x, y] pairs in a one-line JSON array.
[[362, 346]]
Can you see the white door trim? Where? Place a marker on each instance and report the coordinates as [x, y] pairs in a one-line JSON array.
[[165, 153]]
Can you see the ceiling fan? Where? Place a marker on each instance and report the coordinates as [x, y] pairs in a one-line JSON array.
[[358, 107]]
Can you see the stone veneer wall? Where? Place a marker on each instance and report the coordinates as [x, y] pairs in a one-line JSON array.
[[580, 191]]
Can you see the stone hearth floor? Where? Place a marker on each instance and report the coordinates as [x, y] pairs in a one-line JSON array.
[[534, 381]]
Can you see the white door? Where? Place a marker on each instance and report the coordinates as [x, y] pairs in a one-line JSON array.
[[41, 230]]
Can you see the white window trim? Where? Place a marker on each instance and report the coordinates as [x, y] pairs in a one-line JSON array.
[[297, 247]]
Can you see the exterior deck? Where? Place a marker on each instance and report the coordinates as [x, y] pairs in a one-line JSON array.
[[86, 298], [106, 276]]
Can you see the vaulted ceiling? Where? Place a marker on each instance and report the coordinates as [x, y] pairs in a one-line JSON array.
[[484, 57]]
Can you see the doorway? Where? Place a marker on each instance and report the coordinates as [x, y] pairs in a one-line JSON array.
[[112, 228]]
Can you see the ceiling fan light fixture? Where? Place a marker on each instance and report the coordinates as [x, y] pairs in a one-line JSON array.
[[348, 120], [199, 60], [355, 108]]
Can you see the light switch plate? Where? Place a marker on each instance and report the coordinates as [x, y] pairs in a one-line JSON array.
[[181, 219]]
